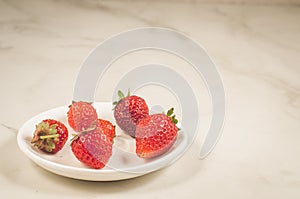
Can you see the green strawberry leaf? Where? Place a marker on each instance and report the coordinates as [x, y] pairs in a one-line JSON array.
[[172, 116], [128, 93], [121, 94], [170, 112]]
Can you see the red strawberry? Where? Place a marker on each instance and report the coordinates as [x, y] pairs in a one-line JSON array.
[[108, 128], [129, 111], [50, 136], [92, 148], [82, 116], [156, 134]]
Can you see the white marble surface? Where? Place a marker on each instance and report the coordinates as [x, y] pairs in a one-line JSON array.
[[256, 47]]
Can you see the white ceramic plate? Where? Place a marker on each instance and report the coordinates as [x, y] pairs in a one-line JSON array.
[[123, 164]]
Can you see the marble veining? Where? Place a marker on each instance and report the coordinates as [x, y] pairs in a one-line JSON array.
[[240, 22], [11, 129]]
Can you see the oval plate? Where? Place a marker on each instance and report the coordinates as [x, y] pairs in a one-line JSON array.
[[123, 164]]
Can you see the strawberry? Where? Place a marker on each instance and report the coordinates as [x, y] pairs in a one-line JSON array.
[[108, 128], [50, 136], [129, 111], [82, 116], [156, 134], [93, 148]]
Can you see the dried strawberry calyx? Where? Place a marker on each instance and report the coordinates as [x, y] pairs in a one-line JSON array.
[[45, 136], [121, 96]]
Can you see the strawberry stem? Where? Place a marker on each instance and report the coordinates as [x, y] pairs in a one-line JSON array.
[[75, 136], [49, 136]]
